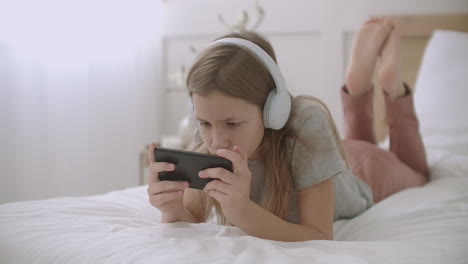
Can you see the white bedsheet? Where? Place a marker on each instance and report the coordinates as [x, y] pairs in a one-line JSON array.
[[421, 225]]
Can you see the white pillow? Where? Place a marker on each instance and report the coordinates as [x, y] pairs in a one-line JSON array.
[[441, 95]]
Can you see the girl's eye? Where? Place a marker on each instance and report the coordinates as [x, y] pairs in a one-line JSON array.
[[232, 124], [204, 124]]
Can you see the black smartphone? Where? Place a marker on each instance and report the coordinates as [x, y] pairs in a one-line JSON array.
[[188, 164]]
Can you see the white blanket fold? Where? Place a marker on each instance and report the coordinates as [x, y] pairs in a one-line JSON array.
[[421, 225]]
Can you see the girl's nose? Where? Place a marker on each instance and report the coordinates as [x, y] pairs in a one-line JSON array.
[[220, 141]]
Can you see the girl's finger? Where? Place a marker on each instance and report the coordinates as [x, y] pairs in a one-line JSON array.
[[157, 167], [166, 186], [241, 152], [219, 186], [151, 152], [217, 173], [234, 157], [162, 198], [238, 159], [218, 196]]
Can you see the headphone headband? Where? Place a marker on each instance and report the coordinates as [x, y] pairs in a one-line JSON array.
[[277, 105], [260, 54]]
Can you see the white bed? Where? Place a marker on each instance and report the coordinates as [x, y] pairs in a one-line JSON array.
[[428, 224]]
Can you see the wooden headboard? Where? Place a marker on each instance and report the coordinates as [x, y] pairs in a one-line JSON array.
[[416, 31]]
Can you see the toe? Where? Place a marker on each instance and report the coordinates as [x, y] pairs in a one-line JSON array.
[[373, 19], [387, 25]]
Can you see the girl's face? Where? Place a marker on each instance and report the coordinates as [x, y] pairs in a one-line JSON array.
[[228, 121]]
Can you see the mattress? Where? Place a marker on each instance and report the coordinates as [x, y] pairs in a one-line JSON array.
[[427, 224]]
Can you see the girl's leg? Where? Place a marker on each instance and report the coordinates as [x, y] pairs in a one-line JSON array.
[[357, 95], [385, 172], [381, 169], [404, 166], [405, 140], [358, 116]]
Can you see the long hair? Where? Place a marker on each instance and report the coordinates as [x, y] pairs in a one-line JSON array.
[[236, 73]]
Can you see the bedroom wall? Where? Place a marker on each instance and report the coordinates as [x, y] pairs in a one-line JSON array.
[[78, 95], [311, 39]]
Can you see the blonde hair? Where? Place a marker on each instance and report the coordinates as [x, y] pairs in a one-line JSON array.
[[234, 72]]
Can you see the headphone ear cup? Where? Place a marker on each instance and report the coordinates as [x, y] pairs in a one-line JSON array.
[[266, 110], [276, 110]]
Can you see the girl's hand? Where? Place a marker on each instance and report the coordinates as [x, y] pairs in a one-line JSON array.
[[164, 195], [230, 189]]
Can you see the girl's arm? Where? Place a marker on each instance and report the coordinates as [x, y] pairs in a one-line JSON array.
[[231, 189], [194, 206], [315, 216], [192, 212]]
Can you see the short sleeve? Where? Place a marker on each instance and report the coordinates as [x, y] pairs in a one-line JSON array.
[[321, 158]]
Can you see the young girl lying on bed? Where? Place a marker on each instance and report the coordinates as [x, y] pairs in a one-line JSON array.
[[291, 180]]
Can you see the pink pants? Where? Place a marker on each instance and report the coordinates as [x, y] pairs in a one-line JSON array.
[[386, 172]]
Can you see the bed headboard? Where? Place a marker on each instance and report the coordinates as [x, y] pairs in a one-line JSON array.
[[416, 31]]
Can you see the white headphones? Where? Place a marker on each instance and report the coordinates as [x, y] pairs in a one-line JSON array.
[[278, 103]]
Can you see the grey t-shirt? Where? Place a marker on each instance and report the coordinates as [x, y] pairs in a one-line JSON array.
[[310, 167]]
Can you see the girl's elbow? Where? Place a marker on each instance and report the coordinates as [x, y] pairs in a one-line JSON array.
[[315, 234]]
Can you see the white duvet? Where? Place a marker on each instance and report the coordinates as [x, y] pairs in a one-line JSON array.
[[421, 225]]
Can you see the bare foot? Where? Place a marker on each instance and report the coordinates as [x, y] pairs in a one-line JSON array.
[[389, 73], [366, 49]]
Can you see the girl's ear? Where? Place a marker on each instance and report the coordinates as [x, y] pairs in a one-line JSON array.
[[191, 112]]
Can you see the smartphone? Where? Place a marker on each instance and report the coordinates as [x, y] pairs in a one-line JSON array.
[[188, 164]]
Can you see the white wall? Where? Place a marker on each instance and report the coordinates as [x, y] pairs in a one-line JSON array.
[[78, 95], [81, 135], [311, 38]]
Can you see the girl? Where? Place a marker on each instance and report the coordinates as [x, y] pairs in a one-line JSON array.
[[292, 181]]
